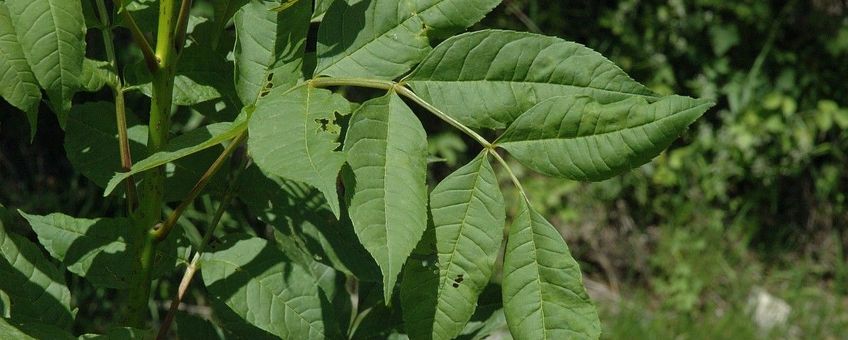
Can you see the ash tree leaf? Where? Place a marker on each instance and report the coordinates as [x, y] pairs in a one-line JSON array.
[[468, 214], [486, 79], [578, 138], [385, 38], [260, 284], [36, 288], [321, 7], [386, 147], [17, 83], [182, 146], [293, 134], [543, 292], [52, 34], [97, 249], [269, 47]]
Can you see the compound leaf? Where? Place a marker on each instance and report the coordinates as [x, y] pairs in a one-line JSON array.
[[387, 151], [486, 79], [543, 291], [17, 83], [269, 47], [258, 282], [468, 214], [385, 38], [52, 34], [580, 139], [36, 288], [293, 134]]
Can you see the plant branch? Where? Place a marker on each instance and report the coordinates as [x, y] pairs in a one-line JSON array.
[[120, 107], [512, 176], [194, 265], [161, 231], [404, 91], [139, 38], [182, 26]]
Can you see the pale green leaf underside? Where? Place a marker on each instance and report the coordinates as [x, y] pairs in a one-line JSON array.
[[543, 291], [17, 83], [96, 249], [269, 47], [293, 134], [262, 286], [386, 147], [580, 139], [192, 142], [52, 33], [36, 288], [486, 79], [96, 74], [385, 38], [468, 214]]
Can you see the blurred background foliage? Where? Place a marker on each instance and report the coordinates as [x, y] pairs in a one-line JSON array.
[[743, 219]]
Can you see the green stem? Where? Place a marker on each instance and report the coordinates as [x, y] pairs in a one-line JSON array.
[[139, 38], [404, 91], [194, 265], [512, 176], [120, 106], [152, 189]]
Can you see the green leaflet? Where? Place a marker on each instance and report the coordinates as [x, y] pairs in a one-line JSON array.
[[387, 151], [52, 34], [543, 291], [293, 134], [468, 214], [580, 139], [258, 282], [321, 7], [97, 249], [96, 74], [385, 38], [36, 288], [293, 207], [10, 329], [487, 79], [269, 47], [182, 146], [17, 83]]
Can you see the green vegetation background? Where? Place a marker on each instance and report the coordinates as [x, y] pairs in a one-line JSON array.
[[751, 200]]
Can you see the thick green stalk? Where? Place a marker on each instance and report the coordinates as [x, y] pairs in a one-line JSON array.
[[152, 189]]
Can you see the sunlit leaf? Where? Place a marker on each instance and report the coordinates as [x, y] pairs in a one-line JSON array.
[[580, 139], [543, 291], [387, 151], [52, 34]]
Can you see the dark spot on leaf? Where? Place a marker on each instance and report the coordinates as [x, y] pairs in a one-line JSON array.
[[455, 285]]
